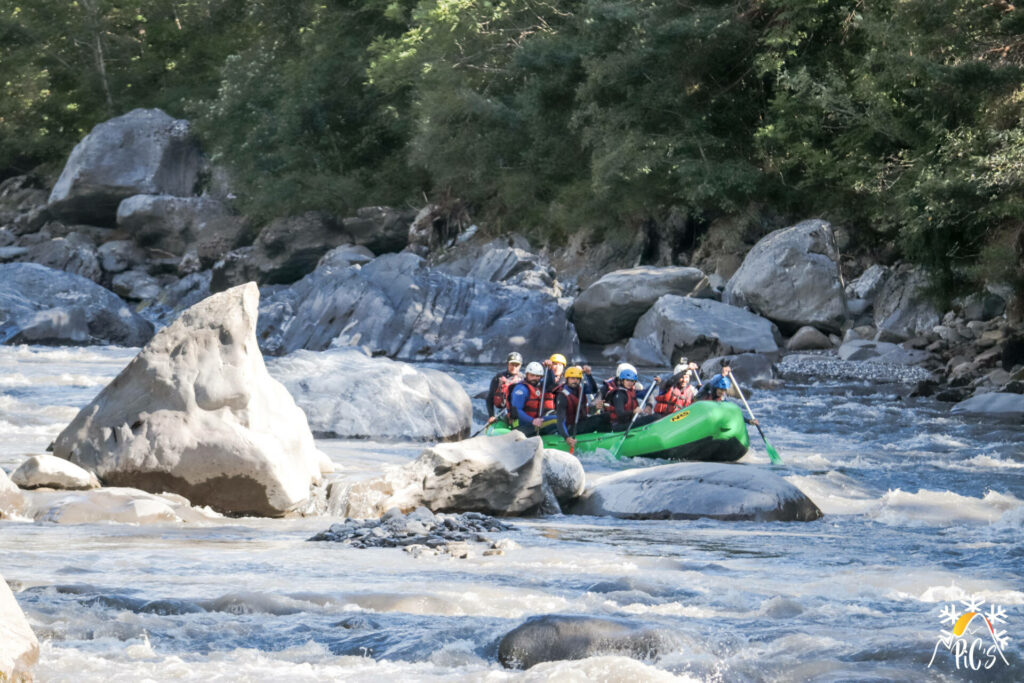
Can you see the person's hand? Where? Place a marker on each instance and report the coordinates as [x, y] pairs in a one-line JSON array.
[[546, 362], [537, 422], [755, 422], [648, 410], [636, 411], [657, 379], [571, 441], [598, 404], [492, 420], [694, 366], [726, 371], [586, 369]]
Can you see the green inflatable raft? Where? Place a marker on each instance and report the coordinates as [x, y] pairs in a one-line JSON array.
[[710, 431]]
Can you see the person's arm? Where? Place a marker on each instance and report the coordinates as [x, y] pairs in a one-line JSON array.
[[517, 401], [490, 395], [562, 412]]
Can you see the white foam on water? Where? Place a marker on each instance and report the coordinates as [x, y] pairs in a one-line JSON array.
[[836, 493], [965, 588], [988, 462], [942, 508]]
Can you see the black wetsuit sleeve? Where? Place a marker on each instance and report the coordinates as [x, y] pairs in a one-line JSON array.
[[619, 401], [703, 392], [562, 410], [590, 385], [490, 395]]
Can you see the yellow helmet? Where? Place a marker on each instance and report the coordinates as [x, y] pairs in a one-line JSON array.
[[575, 371], [558, 358]]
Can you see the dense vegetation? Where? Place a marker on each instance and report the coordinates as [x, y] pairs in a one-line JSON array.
[[902, 120]]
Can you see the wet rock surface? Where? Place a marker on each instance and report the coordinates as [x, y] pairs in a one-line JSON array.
[[421, 531]]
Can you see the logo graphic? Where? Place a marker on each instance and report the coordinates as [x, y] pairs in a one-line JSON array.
[[680, 416], [973, 639]]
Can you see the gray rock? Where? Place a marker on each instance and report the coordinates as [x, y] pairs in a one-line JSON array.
[[902, 310], [564, 476], [136, 285], [195, 413], [72, 254], [118, 256], [381, 229], [40, 305], [167, 222], [996, 404], [49, 471], [13, 253], [808, 338], [20, 195], [219, 236], [609, 309], [682, 326], [881, 352], [551, 638], [398, 307], [346, 255], [692, 490], [748, 368], [869, 284], [506, 260], [19, 647], [142, 152], [175, 298], [792, 277]]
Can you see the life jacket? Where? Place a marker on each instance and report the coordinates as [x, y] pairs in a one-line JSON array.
[[631, 403], [532, 405], [676, 398], [573, 403], [505, 384], [607, 387]]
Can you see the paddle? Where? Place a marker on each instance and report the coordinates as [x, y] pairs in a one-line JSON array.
[[615, 453], [504, 411], [576, 423], [773, 454]]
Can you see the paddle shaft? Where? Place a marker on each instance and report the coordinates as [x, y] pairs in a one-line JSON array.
[[635, 415], [774, 457]]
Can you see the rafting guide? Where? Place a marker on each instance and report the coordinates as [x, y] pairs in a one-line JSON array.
[[973, 638]]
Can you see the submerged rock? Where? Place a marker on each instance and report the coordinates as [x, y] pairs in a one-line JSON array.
[[398, 307], [346, 393], [19, 647], [114, 504], [49, 471], [997, 404], [40, 305], [12, 500], [196, 413], [554, 637], [692, 490]]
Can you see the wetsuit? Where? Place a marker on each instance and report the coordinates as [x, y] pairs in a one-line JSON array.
[[497, 394]]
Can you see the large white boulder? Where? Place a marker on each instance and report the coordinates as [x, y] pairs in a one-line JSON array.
[[197, 414], [49, 471], [678, 325], [690, 490], [113, 504], [346, 393], [609, 309], [12, 500], [142, 152], [19, 648], [500, 475], [792, 277]]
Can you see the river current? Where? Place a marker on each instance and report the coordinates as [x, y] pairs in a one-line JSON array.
[[923, 523]]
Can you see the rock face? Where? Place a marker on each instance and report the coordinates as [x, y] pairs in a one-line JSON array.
[[167, 222], [506, 260], [40, 305], [143, 152], [49, 471], [901, 308], [196, 413], [695, 328], [345, 393], [381, 229], [996, 404], [19, 648], [609, 309], [500, 475], [552, 637], [398, 307], [698, 489], [792, 277]]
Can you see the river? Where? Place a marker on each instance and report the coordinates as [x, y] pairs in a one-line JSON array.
[[923, 513]]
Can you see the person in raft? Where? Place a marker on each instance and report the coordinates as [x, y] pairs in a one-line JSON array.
[[555, 367], [497, 394], [676, 392], [525, 403], [609, 384], [717, 388], [572, 405], [622, 402]]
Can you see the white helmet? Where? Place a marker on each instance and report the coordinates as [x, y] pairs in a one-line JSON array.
[[682, 367], [535, 368], [624, 366]]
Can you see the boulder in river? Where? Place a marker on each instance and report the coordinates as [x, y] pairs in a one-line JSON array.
[[142, 152], [49, 471], [398, 307], [692, 490], [19, 647], [682, 326], [500, 475], [902, 309], [115, 504], [609, 309], [346, 393], [12, 500], [556, 637], [196, 413], [995, 404], [791, 277], [40, 305]]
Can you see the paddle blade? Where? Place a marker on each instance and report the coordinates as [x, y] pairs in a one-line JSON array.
[[773, 454]]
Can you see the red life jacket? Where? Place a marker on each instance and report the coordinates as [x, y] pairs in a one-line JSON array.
[[631, 403], [674, 399], [573, 404], [532, 404], [505, 384]]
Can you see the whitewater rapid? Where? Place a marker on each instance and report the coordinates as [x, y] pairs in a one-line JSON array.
[[922, 510]]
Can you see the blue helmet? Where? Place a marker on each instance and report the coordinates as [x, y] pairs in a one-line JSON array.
[[627, 373], [720, 382]]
